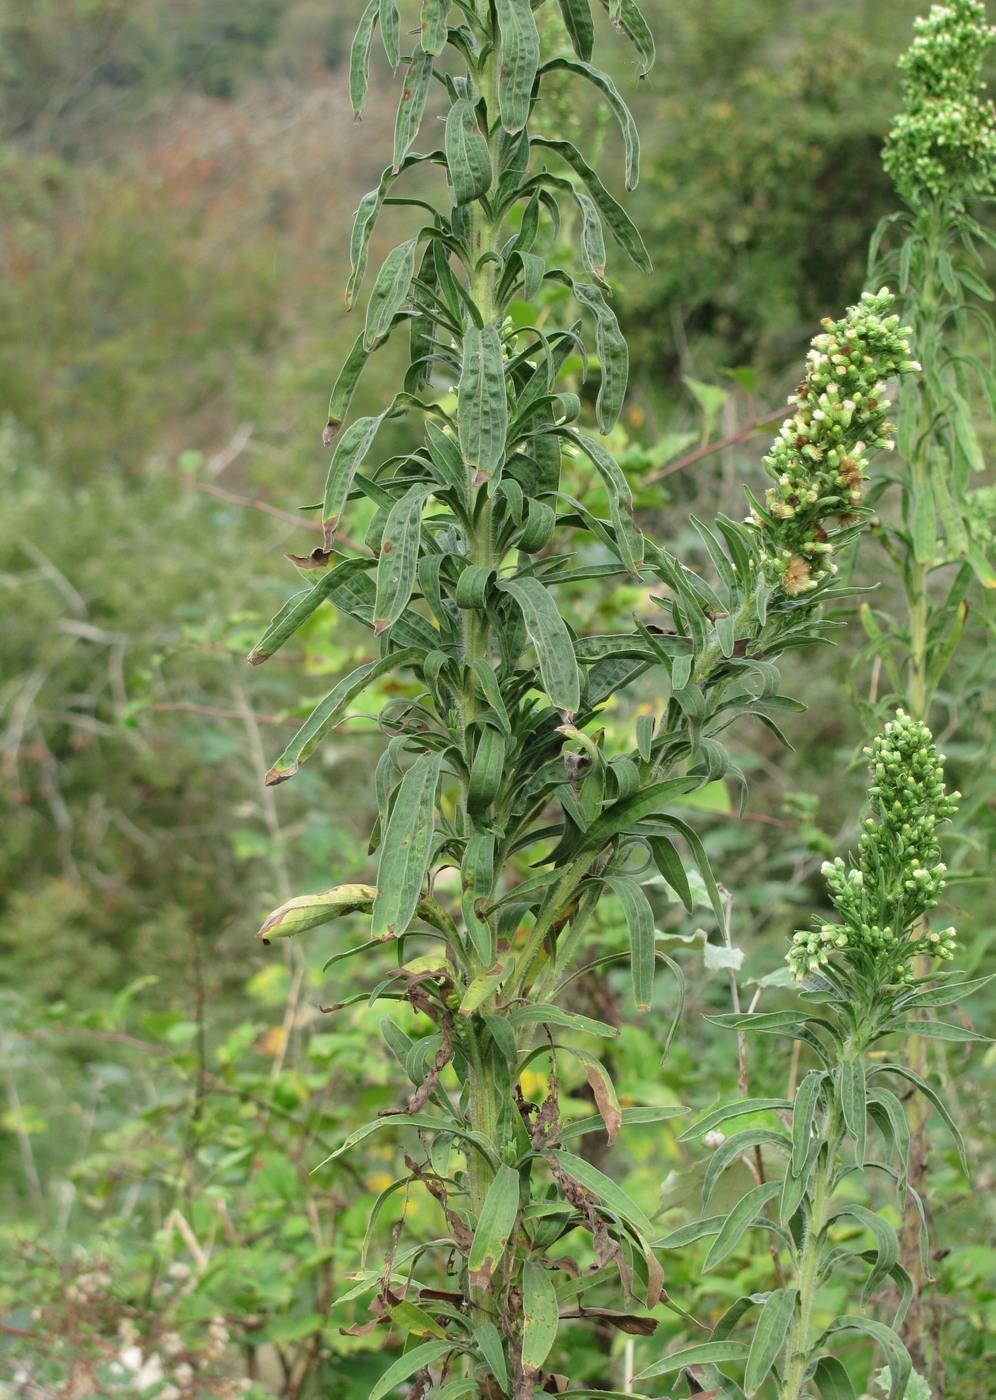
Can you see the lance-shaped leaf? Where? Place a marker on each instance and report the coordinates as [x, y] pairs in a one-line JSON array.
[[393, 283], [620, 225], [520, 52], [704, 1354], [576, 15], [482, 407], [412, 105], [851, 1088], [544, 1014], [468, 160], [613, 356], [640, 923], [311, 910], [606, 1192], [551, 639], [494, 1226], [886, 1245], [540, 1314], [390, 31], [770, 1331], [592, 237], [803, 1117], [349, 453], [407, 845], [608, 89], [477, 878], [296, 611], [408, 1364], [626, 15], [900, 1365], [343, 388], [396, 572], [738, 1222], [489, 1342], [359, 58], [833, 1380], [331, 710], [628, 539], [433, 37]]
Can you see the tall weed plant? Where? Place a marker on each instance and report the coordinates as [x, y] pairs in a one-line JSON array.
[[505, 816]]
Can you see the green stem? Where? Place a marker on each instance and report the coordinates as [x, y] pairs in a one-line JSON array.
[[798, 1344]]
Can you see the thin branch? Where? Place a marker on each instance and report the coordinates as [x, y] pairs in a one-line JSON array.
[[710, 447]]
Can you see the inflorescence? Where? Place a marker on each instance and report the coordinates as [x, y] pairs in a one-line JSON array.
[[898, 876], [819, 458], [943, 145]]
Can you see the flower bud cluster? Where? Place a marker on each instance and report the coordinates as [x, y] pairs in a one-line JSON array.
[[818, 459], [898, 876], [943, 144]]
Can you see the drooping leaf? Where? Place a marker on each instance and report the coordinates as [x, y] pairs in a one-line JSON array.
[[769, 1336], [540, 1313], [310, 910], [619, 224], [406, 847], [609, 91], [389, 292], [613, 356], [399, 548], [331, 710], [412, 105], [468, 159], [359, 57], [520, 52], [639, 918], [576, 15], [551, 639], [482, 406], [494, 1227]]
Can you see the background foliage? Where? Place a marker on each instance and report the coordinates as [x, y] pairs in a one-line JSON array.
[[178, 186]]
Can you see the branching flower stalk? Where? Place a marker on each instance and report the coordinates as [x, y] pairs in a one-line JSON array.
[[941, 154], [858, 974]]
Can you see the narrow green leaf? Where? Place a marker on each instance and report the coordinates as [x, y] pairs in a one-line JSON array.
[[452, 1125], [603, 1089], [477, 876], [295, 612], [736, 1108], [331, 710], [540, 1314], [612, 352], [482, 406], [936, 1030], [949, 992], [769, 1336], [576, 15], [494, 1227], [606, 1192], [520, 52], [738, 1222], [390, 31], [393, 283], [350, 450], [487, 770], [625, 15], [434, 31], [595, 1122], [359, 58], [412, 105], [851, 1085], [705, 1354], [608, 89], [405, 850], [670, 866], [399, 548], [688, 1234], [933, 1097], [924, 523], [900, 1365], [406, 1365], [540, 1013], [639, 918], [833, 1381], [551, 639], [803, 1116], [490, 1345], [468, 159], [342, 390], [886, 1245], [735, 1146], [619, 224]]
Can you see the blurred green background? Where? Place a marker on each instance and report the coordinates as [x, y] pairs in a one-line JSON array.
[[178, 183]]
